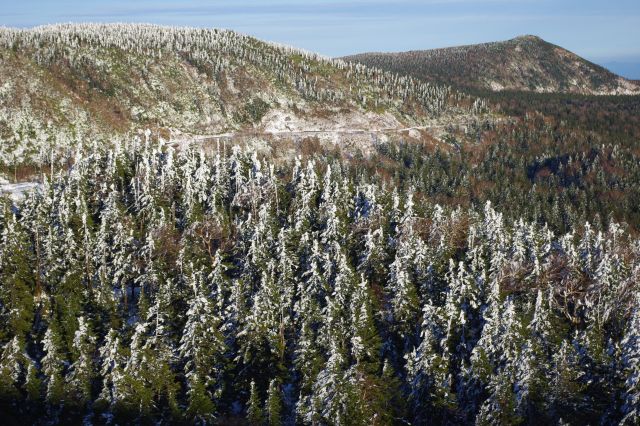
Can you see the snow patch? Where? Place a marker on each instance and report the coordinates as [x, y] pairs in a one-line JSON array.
[[414, 133], [18, 191], [496, 86], [282, 121]]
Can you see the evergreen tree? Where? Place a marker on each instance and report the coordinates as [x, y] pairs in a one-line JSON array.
[[202, 346], [33, 384], [566, 399], [403, 293], [79, 381], [631, 359], [365, 340], [16, 276], [255, 415], [111, 372], [52, 367], [11, 370], [274, 403], [428, 367], [501, 406], [332, 393], [149, 378]]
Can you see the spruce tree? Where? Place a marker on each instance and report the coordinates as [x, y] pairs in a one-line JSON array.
[[274, 403], [12, 368], [631, 360], [111, 372], [52, 367], [430, 382], [255, 414], [79, 380], [16, 276], [203, 348]]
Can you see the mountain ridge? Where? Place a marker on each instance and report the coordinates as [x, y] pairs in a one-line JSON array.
[[77, 81], [523, 63]]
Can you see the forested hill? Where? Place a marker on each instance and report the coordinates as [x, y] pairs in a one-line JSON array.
[[525, 63], [67, 81]]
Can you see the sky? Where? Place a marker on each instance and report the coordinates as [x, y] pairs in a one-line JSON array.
[[606, 32]]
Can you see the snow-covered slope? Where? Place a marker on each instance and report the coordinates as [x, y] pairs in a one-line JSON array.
[[65, 84]]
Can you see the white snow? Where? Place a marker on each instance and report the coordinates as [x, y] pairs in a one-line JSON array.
[[496, 86], [284, 122], [17, 191]]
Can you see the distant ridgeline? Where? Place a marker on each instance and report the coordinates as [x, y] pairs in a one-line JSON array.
[[151, 285], [525, 63]]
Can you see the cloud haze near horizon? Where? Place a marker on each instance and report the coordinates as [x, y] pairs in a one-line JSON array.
[[605, 32]]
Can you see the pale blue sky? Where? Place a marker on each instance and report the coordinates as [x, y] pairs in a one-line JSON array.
[[603, 31]]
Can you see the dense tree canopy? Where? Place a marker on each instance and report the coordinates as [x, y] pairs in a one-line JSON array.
[[145, 283]]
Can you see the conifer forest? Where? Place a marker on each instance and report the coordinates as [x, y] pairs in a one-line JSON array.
[[480, 265]]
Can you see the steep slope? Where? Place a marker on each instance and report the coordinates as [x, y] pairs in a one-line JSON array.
[[72, 82], [525, 63]]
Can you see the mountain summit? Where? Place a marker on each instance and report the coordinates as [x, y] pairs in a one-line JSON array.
[[525, 63]]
